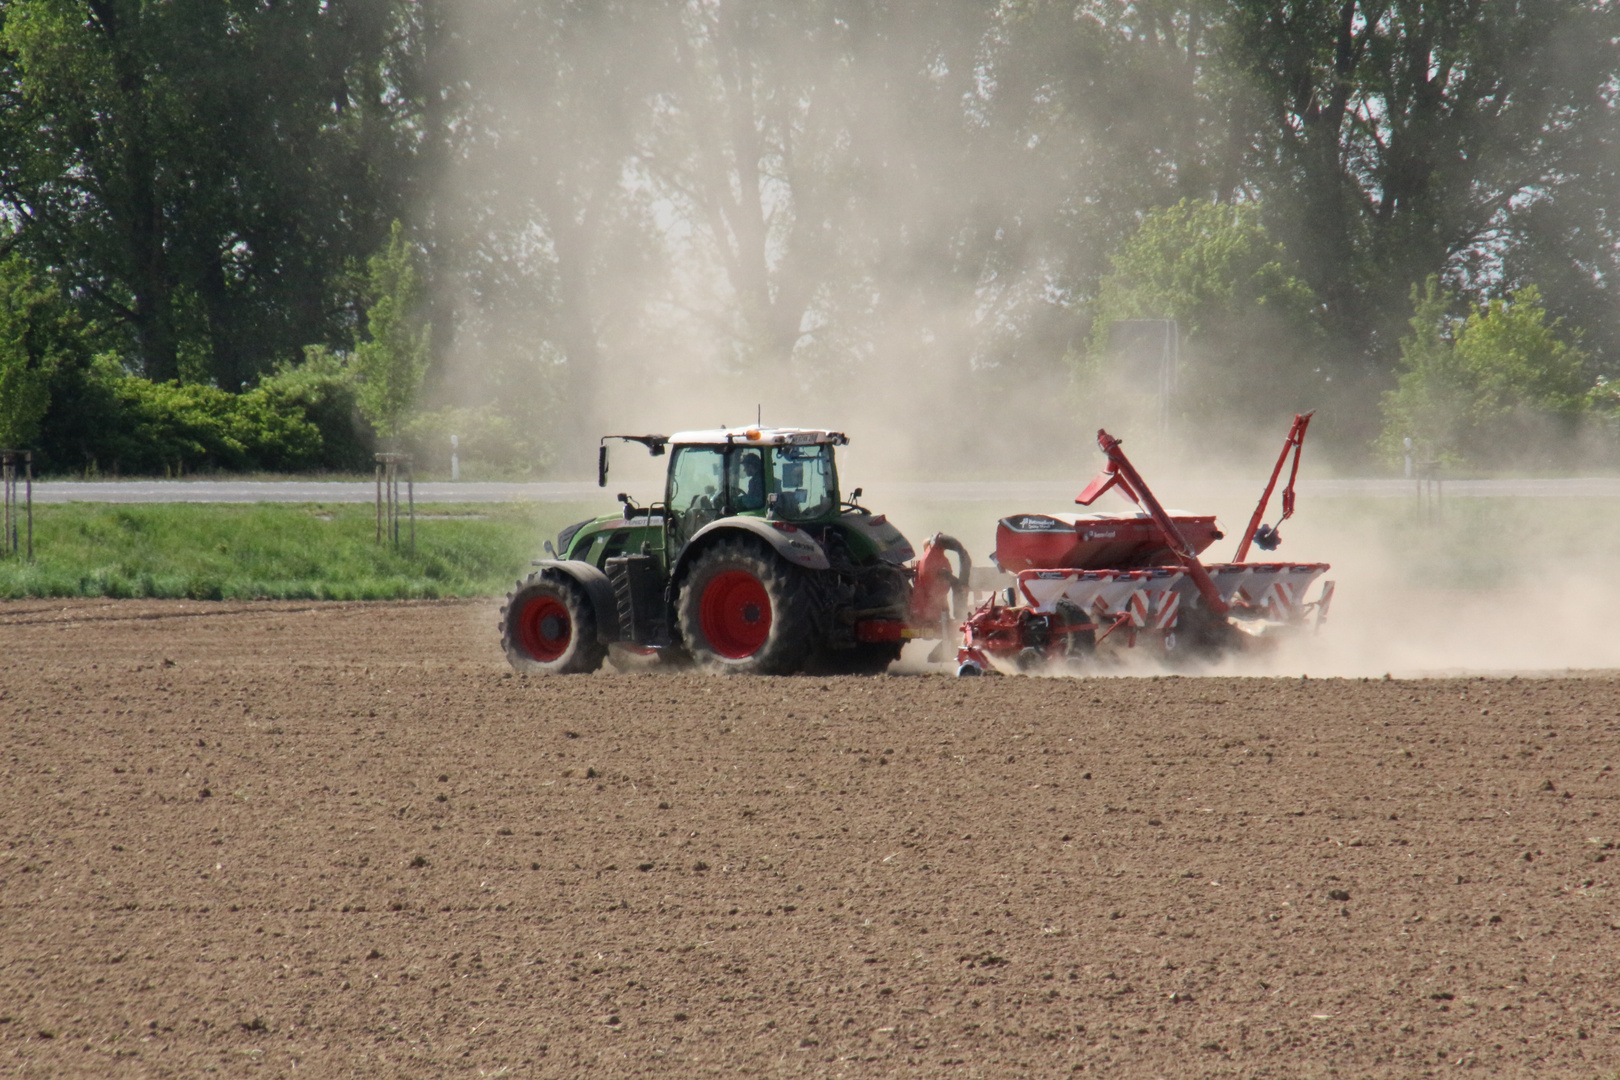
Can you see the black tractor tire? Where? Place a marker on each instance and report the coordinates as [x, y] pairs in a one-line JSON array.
[[744, 610], [548, 627]]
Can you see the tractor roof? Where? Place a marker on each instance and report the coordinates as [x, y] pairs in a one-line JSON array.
[[758, 436]]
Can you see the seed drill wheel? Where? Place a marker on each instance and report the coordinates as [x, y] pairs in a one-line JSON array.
[[744, 610], [1202, 636], [549, 628], [1078, 647]]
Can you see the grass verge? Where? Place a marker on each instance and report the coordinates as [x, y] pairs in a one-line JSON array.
[[291, 551]]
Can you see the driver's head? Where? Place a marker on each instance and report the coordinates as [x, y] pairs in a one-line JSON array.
[[750, 464]]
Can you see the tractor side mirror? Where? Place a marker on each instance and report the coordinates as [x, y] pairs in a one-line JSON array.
[[601, 465]]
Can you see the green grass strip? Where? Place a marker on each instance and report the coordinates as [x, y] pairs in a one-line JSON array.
[[280, 551]]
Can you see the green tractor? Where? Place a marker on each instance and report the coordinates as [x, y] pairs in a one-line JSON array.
[[752, 563]]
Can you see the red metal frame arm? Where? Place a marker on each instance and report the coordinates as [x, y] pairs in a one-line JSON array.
[[1104, 480], [1127, 475], [1294, 442]]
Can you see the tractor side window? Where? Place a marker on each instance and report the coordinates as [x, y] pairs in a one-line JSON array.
[[746, 479], [806, 482], [694, 498]]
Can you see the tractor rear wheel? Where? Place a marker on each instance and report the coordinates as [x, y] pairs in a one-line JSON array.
[[548, 627], [744, 610]]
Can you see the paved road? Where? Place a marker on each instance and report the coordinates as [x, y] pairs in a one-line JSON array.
[[1033, 492]]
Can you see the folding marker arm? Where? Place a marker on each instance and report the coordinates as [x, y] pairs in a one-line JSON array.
[[1294, 442], [1120, 473]]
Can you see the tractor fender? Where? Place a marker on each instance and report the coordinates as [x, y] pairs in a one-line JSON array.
[[598, 589], [792, 543]]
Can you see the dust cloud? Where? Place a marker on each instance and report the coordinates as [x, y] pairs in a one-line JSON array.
[[673, 216], [667, 217], [1495, 586]]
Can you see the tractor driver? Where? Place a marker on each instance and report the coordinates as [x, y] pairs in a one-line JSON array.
[[748, 486]]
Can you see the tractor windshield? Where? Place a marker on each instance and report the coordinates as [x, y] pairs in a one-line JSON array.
[[806, 483]]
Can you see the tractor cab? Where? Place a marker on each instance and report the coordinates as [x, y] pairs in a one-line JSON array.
[[780, 474], [787, 477]]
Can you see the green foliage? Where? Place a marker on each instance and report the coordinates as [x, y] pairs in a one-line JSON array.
[[390, 366], [38, 333], [1518, 359], [190, 427], [1485, 393], [108, 420], [323, 389], [277, 551], [1387, 141], [491, 442], [102, 419], [1206, 264], [1248, 319], [200, 173]]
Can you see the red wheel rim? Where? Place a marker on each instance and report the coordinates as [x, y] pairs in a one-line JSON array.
[[736, 614], [544, 629]]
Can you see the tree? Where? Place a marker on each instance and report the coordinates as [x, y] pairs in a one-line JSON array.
[[751, 95], [391, 363], [198, 173], [1252, 339], [1401, 138], [323, 389], [39, 332], [1495, 390]]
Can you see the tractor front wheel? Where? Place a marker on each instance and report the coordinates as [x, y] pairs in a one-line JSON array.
[[548, 627], [743, 610]]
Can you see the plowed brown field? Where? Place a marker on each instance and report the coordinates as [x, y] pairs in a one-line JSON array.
[[342, 840]]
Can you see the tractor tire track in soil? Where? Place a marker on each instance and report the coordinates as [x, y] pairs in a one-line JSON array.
[[293, 839]]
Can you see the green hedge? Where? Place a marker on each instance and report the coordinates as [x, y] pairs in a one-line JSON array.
[[104, 420]]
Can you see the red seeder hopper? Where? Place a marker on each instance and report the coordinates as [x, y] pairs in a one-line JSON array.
[[1136, 577]]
